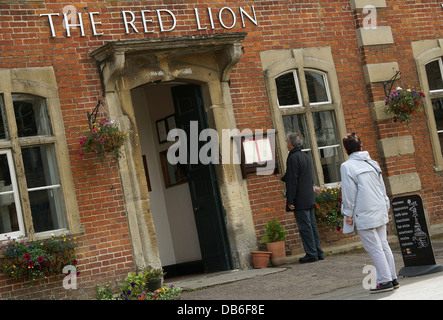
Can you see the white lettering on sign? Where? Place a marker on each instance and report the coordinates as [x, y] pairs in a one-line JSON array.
[[148, 21]]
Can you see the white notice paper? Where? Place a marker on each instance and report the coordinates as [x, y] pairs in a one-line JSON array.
[[259, 150]]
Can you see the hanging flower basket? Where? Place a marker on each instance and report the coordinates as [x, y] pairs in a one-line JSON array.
[[105, 138], [404, 104]]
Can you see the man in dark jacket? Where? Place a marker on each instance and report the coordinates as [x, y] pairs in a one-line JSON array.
[[300, 197]]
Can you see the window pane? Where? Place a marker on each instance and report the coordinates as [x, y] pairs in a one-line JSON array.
[[31, 115], [434, 75], [3, 128], [47, 210], [9, 219], [316, 87], [437, 105], [40, 166], [287, 92], [328, 145], [297, 123], [314, 174], [44, 188]]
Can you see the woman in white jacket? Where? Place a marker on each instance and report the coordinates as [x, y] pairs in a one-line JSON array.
[[365, 206]]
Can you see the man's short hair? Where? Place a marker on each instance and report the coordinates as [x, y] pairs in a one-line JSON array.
[[296, 139]]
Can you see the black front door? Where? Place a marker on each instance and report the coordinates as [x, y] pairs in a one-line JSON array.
[[205, 193]]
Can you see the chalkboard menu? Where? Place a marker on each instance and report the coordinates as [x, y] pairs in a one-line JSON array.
[[412, 231]]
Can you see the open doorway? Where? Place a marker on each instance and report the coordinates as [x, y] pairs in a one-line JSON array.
[[185, 199]]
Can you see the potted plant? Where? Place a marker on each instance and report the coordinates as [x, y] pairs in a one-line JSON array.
[[105, 138], [404, 104], [260, 259], [275, 241], [153, 278]]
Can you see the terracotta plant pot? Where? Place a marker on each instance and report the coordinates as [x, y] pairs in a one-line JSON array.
[[260, 259], [278, 252]]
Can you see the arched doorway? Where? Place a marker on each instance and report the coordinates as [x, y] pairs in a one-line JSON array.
[[185, 198], [203, 60]]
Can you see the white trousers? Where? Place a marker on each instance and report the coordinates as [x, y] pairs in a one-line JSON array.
[[376, 245]]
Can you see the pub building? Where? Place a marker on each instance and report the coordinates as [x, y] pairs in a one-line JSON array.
[[215, 70]]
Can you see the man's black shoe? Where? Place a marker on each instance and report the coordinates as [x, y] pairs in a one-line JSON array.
[[307, 259]]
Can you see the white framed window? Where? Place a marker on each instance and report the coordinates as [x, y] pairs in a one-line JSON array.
[[318, 87], [34, 151], [304, 97], [32, 137], [319, 128], [434, 75], [44, 188], [288, 90], [11, 217], [437, 107], [428, 56]]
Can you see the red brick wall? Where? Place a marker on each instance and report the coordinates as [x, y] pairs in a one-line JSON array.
[[105, 248], [410, 21]]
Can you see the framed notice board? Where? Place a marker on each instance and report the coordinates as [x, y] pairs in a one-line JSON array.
[[257, 151]]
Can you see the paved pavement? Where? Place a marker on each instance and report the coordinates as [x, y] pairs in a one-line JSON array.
[[338, 277]]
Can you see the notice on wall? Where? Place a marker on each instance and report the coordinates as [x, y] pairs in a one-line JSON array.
[[412, 231], [258, 150]]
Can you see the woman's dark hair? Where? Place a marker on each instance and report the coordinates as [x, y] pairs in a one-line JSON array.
[[352, 143]]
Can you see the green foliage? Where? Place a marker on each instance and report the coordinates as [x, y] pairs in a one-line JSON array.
[[135, 287], [165, 293], [151, 273], [105, 138], [274, 232], [328, 207], [21, 259], [104, 293], [327, 194]]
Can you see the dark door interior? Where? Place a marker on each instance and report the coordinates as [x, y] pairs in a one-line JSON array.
[[205, 193]]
